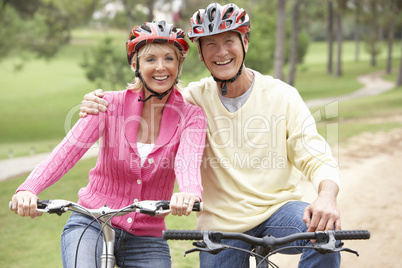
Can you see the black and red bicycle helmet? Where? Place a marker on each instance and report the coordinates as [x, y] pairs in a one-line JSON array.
[[155, 32], [216, 19]]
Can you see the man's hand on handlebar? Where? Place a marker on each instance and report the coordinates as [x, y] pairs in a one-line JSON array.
[[24, 203], [93, 103]]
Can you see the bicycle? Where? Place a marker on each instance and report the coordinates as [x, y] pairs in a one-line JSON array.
[[103, 216], [210, 241]]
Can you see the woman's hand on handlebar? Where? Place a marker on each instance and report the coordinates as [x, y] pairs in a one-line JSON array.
[[25, 204], [93, 103], [181, 204]]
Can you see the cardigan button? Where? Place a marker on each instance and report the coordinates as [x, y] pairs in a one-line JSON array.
[[129, 220], [136, 200], [150, 161], [138, 181]]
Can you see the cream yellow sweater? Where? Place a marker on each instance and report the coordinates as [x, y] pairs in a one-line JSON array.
[[254, 156]]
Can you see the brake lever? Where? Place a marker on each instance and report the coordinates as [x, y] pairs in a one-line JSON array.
[[327, 244], [53, 206], [207, 245], [152, 208], [202, 246]]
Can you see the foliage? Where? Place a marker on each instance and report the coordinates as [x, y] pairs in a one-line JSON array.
[[262, 41], [193, 67], [40, 27], [107, 66]]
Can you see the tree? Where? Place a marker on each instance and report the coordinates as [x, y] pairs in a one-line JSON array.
[[399, 78], [339, 35], [279, 58], [356, 33], [260, 55], [330, 35], [373, 38], [294, 41], [390, 24], [107, 66], [40, 27]]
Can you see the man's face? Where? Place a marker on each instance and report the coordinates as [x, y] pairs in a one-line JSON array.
[[223, 54]]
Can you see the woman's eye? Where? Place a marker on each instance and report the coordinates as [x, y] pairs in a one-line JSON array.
[[170, 58], [149, 60]]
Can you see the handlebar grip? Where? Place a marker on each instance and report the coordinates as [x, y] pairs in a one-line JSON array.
[[351, 234], [182, 235], [197, 206], [41, 204]]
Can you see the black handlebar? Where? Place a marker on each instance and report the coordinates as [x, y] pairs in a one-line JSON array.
[[216, 236], [210, 242]]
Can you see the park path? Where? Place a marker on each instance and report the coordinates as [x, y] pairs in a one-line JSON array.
[[14, 167], [373, 85]]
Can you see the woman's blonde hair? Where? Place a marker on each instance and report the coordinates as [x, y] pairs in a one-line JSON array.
[[137, 85]]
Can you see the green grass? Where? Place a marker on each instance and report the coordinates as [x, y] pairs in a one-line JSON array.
[[36, 243], [356, 116], [40, 99], [313, 82], [317, 52]]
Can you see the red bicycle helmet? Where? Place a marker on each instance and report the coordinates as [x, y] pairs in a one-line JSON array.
[[218, 19], [155, 32]]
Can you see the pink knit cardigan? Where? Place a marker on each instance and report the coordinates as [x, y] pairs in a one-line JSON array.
[[118, 180]]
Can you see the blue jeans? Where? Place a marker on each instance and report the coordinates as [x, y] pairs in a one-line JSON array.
[[287, 220], [140, 251]]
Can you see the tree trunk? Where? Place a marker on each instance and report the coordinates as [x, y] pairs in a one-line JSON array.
[[330, 36], [357, 31], [279, 57], [129, 11], [391, 29], [374, 34], [294, 42], [399, 80], [150, 5], [339, 39]]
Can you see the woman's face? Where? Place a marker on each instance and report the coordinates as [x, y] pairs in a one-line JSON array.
[[159, 66]]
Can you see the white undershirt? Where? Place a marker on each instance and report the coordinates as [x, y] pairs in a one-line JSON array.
[[144, 150]]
